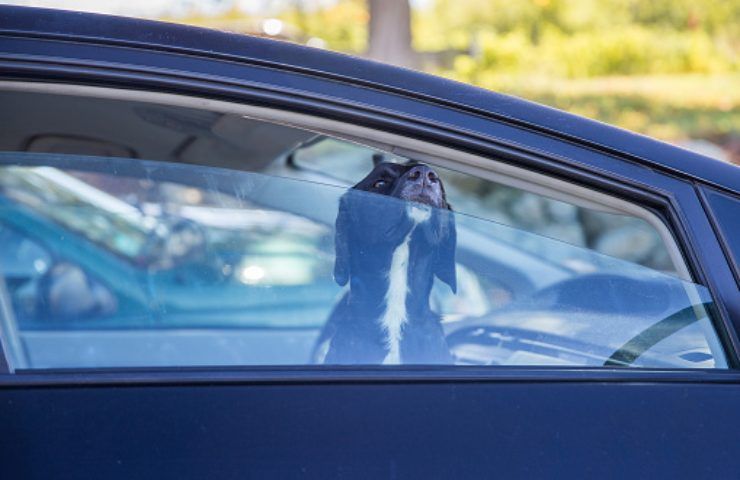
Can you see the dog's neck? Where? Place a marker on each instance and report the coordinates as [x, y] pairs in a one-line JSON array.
[[402, 301], [395, 285]]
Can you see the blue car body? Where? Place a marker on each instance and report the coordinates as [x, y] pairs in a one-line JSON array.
[[373, 422]]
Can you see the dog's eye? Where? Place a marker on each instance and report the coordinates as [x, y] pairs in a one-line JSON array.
[[379, 183]]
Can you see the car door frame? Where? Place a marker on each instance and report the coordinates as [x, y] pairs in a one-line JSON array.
[[34, 56]]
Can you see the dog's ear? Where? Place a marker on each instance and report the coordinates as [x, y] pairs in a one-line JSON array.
[[444, 259], [341, 243]]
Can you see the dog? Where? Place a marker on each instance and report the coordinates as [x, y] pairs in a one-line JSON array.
[[389, 253]]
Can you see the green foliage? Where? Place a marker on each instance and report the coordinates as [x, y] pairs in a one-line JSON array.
[[669, 107], [632, 50], [583, 38], [666, 68]]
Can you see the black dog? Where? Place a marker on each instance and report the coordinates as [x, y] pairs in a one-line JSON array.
[[389, 250]]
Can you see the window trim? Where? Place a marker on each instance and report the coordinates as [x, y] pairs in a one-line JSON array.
[[358, 375], [8, 331]]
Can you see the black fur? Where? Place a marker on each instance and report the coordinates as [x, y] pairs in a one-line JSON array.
[[367, 234]]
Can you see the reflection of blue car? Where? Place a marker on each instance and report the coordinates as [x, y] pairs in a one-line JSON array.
[[146, 272], [167, 207], [196, 268]]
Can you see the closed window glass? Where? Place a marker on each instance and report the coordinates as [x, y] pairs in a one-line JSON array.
[[169, 236]]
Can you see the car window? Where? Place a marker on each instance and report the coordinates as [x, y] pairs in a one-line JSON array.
[[726, 210], [172, 236]]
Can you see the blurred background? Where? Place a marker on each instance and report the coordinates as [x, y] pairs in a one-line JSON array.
[[666, 68]]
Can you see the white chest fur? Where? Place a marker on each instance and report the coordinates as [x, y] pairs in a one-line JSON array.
[[395, 315]]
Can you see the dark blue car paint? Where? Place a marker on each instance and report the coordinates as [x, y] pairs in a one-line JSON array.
[[400, 422], [453, 430]]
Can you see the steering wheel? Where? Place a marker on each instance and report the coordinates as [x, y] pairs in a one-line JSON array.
[[642, 342]]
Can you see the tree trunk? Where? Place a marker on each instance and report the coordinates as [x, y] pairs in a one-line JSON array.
[[390, 33]]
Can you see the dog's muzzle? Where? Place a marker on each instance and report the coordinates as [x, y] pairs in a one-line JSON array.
[[421, 184]]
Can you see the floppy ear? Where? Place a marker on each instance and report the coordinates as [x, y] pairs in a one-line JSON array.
[[444, 259], [341, 243]]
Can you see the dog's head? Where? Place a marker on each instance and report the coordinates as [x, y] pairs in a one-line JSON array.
[[364, 225]]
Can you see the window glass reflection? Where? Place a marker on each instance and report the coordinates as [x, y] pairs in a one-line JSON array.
[[191, 265]]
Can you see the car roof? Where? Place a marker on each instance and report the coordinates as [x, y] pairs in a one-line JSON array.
[[96, 28]]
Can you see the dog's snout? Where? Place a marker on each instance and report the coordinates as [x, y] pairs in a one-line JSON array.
[[423, 173], [421, 184]]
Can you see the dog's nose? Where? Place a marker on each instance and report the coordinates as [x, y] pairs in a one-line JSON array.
[[423, 174]]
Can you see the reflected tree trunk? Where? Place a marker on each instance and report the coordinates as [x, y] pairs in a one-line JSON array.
[[390, 33]]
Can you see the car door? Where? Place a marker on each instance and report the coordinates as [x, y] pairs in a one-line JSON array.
[[568, 367]]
